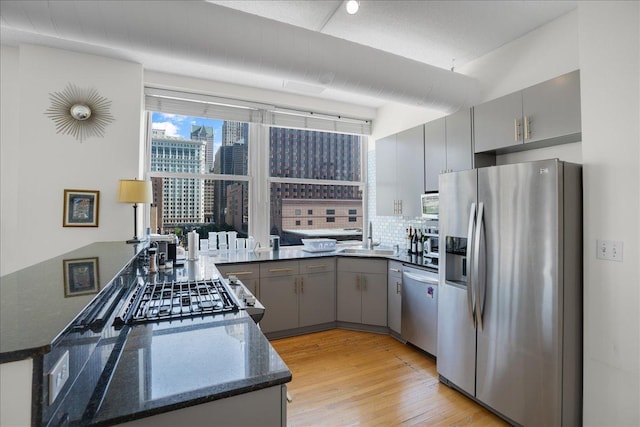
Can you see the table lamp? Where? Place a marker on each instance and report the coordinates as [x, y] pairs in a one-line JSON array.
[[135, 191]]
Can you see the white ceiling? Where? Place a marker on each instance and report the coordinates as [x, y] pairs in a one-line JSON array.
[[389, 51]]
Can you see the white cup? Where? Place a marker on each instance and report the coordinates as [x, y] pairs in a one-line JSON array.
[[222, 239], [241, 244], [213, 240], [231, 235]]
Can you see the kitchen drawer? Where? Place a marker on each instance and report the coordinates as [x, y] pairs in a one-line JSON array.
[[363, 265], [277, 269], [317, 265], [241, 271]]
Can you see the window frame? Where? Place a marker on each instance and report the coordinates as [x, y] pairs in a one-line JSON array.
[[258, 177]]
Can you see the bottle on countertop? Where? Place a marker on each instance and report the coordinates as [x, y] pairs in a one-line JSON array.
[[409, 240], [420, 244], [414, 242]]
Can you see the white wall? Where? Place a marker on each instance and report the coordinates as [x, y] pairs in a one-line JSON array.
[[610, 91], [38, 164]]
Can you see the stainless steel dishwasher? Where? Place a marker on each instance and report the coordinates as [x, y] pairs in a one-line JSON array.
[[420, 308]]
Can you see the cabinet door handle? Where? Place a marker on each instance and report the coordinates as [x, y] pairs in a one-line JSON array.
[[295, 285], [317, 266], [527, 128], [396, 270], [239, 273], [397, 287], [279, 270], [364, 281], [516, 129], [302, 285]]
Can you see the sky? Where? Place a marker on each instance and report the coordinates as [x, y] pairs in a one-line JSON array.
[[180, 126]]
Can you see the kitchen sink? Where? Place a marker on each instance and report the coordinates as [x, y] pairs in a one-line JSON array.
[[367, 252]]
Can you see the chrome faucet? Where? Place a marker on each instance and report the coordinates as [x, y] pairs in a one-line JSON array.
[[370, 243]]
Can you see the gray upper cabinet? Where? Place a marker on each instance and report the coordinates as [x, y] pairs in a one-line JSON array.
[[435, 153], [549, 111], [459, 151], [497, 123], [552, 109], [386, 176], [400, 173], [447, 145]]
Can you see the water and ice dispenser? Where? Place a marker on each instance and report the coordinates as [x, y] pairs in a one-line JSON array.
[[456, 260]]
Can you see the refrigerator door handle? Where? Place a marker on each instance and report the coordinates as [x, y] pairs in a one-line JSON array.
[[470, 258], [479, 281]]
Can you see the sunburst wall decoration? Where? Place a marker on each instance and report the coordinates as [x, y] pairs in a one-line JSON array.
[[82, 113]]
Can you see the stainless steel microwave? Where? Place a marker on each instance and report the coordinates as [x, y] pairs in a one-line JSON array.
[[429, 202]]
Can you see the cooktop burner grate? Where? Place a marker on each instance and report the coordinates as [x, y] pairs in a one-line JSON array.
[[170, 300]]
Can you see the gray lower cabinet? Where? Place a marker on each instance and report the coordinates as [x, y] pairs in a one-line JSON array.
[[268, 408], [394, 296], [297, 293], [362, 291], [549, 111], [317, 296], [247, 273]]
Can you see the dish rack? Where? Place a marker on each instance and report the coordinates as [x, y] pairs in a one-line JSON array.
[[319, 245]]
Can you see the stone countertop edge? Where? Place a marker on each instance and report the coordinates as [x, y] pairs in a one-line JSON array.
[[292, 253], [234, 390]]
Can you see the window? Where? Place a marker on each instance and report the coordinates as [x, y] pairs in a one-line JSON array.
[[353, 211], [184, 152], [331, 219], [201, 149], [353, 219], [331, 211]]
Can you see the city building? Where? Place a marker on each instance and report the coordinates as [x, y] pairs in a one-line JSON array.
[[296, 153], [206, 133], [234, 132], [182, 198]]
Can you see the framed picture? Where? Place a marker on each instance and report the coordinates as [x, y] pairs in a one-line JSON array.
[[80, 276], [81, 208]]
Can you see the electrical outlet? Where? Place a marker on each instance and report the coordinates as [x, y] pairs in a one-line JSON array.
[[58, 376], [610, 250]]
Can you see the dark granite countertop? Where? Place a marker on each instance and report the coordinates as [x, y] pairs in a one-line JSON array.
[[38, 303], [170, 365], [296, 252], [144, 369]]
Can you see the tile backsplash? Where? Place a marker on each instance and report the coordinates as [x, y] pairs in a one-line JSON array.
[[389, 230]]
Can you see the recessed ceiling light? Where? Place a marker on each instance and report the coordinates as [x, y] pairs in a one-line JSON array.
[[352, 7]]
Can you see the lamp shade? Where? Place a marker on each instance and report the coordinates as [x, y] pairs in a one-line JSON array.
[[135, 191]]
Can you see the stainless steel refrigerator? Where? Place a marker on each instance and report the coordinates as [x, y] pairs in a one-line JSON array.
[[510, 303]]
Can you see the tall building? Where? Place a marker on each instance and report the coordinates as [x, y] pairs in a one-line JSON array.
[[297, 153], [230, 159], [234, 132], [206, 133], [182, 198]]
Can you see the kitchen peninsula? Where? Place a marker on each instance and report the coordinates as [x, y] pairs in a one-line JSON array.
[[86, 370]]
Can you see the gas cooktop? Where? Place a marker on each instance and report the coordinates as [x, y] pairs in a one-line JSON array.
[[153, 302]]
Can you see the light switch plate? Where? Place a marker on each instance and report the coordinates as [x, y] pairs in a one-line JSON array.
[[610, 250], [58, 376]]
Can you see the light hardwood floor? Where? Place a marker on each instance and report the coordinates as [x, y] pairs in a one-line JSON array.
[[349, 378]]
